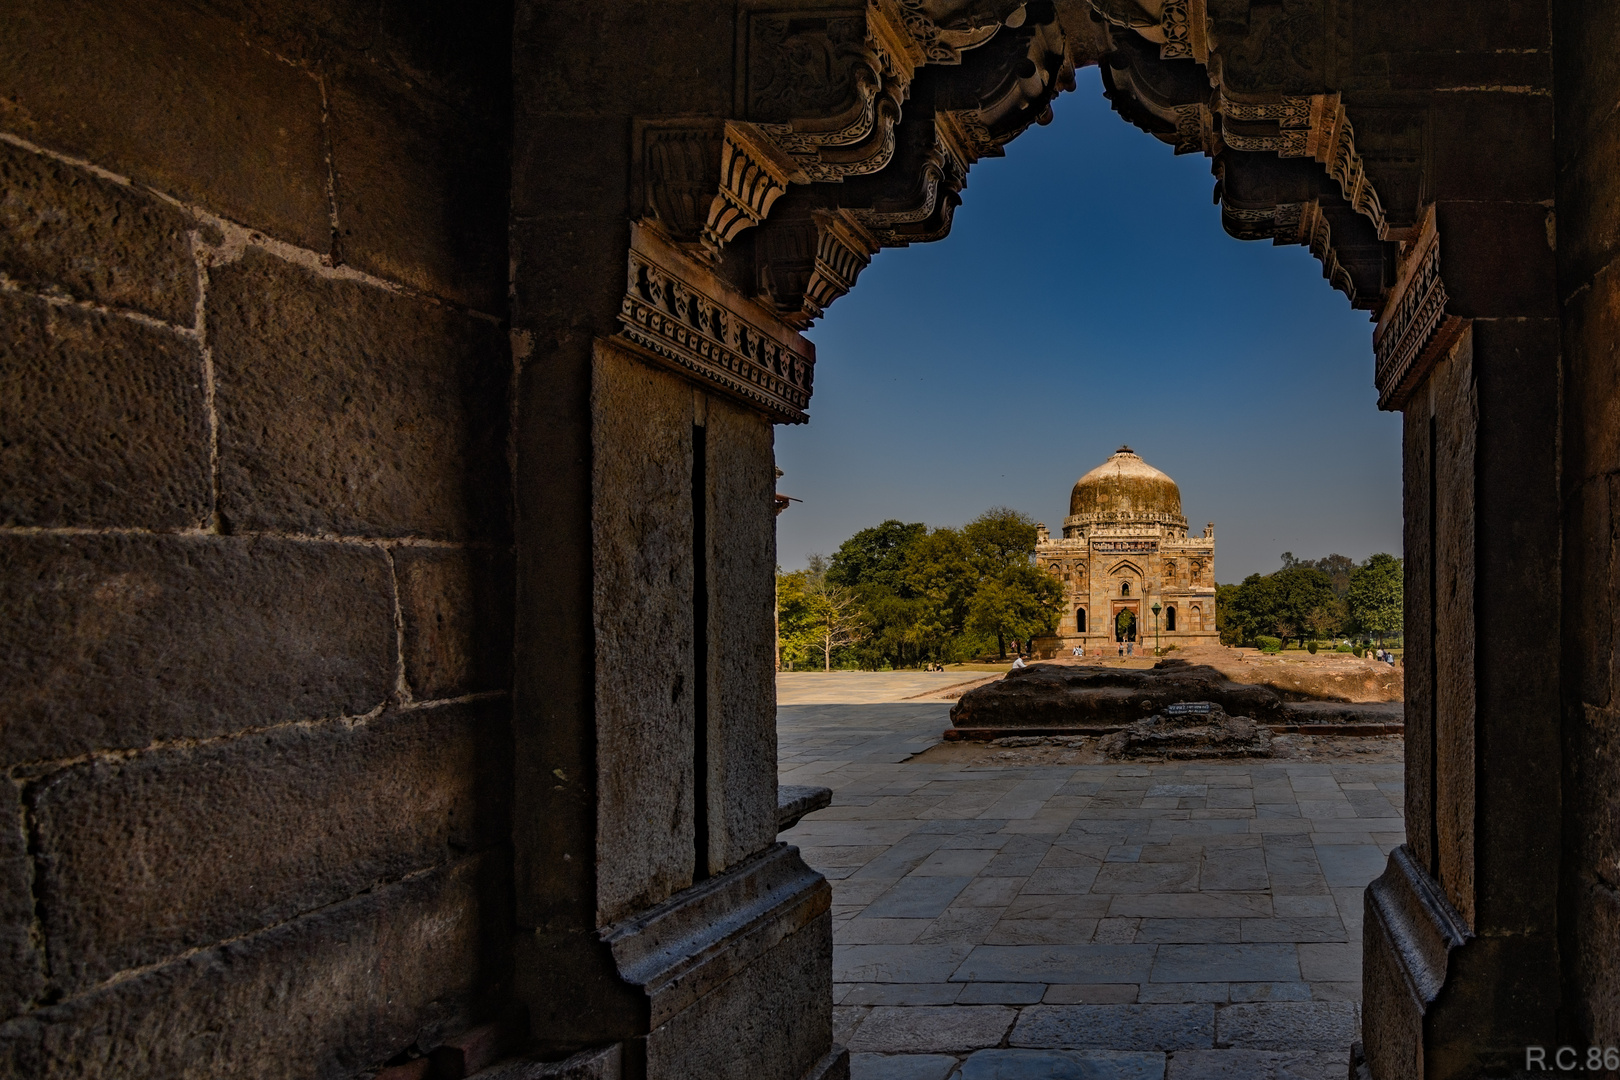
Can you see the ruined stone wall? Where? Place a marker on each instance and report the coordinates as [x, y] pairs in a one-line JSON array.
[[1588, 151], [255, 534]]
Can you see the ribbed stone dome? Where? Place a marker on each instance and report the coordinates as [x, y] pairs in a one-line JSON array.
[[1126, 488]]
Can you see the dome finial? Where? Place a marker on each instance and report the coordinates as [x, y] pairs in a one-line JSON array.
[[1123, 449]]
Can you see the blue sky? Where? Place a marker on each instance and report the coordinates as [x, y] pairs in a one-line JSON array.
[[1087, 297]]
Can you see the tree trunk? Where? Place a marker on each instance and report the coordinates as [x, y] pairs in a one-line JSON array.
[[1001, 645]]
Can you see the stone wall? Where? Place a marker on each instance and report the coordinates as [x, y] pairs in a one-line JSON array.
[[255, 540], [1587, 84]]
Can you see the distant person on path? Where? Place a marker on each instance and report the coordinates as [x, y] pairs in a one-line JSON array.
[[1018, 662], [1079, 650]]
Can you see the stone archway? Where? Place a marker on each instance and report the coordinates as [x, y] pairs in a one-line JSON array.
[[750, 222]]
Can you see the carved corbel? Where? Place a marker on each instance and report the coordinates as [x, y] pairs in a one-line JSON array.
[[753, 175], [843, 249], [808, 257], [1414, 331], [705, 181], [1314, 126]]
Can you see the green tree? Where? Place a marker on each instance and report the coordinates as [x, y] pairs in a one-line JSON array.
[[1287, 603], [1376, 597], [938, 571], [1000, 539], [875, 556], [1232, 629], [792, 619], [816, 618], [1021, 602]]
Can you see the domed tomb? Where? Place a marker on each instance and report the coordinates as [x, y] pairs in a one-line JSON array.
[[1124, 490], [1132, 578]]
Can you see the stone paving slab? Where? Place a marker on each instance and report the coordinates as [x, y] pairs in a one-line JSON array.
[[1179, 921], [1061, 1065]]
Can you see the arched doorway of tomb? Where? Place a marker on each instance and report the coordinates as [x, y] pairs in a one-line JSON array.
[[1125, 623], [1079, 620], [1170, 617]]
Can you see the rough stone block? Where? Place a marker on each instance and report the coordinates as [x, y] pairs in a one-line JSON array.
[[312, 997], [932, 1028], [1588, 220], [301, 30], [900, 1066], [21, 965], [1117, 1027], [682, 76], [1289, 1025], [770, 1021], [174, 98], [102, 421], [457, 606], [1258, 1065], [641, 547], [1497, 259], [345, 408], [117, 641], [461, 55], [63, 228], [123, 843], [1050, 1064], [742, 689], [421, 190], [1591, 334]]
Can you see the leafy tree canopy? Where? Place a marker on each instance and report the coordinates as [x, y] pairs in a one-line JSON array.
[[1000, 538], [1376, 596], [875, 556], [919, 594]]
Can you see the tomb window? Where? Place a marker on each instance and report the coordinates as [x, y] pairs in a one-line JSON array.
[[1170, 618], [1079, 620], [1124, 588]]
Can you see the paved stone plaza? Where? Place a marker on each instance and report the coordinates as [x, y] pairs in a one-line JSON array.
[[1173, 921]]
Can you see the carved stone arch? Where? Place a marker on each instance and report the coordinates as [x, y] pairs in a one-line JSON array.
[[1124, 566]]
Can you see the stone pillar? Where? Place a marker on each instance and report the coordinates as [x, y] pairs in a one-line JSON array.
[[1587, 83], [1460, 949], [654, 907]]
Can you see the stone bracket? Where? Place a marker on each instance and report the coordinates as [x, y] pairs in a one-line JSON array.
[[677, 312], [793, 801], [753, 175]]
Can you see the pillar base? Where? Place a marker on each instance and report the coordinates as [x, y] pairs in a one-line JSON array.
[[1438, 1001], [730, 979]]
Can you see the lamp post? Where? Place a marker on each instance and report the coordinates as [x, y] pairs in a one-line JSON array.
[[1157, 651]]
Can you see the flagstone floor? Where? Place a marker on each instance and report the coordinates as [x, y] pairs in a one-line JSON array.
[[1174, 921]]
